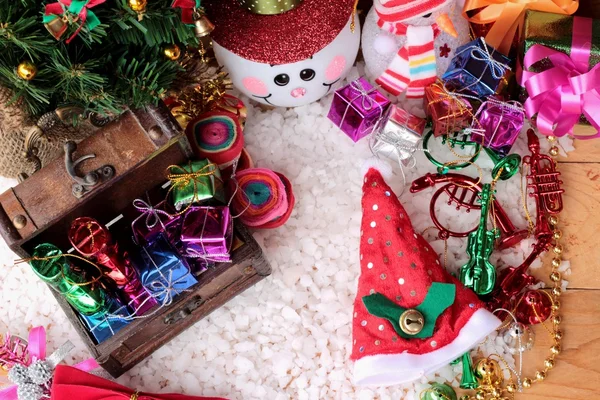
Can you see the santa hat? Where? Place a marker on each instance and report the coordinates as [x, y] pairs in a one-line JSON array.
[[401, 10], [285, 38], [410, 316]]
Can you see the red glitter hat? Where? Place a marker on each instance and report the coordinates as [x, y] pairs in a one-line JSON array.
[[410, 316], [278, 39]]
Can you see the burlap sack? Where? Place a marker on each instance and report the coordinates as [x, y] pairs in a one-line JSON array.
[[14, 125]]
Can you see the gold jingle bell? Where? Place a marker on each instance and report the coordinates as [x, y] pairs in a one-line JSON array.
[[172, 52], [439, 391], [411, 322], [57, 27], [489, 371], [27, 70], [202, 25], [138, 5]]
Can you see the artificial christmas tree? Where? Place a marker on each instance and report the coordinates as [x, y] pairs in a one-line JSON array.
[[97, 55]]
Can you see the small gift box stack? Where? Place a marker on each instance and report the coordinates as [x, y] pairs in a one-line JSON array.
[[143, 264], [359, 109], [472, 98]]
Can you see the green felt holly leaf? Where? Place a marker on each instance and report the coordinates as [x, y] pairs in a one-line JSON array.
[[439, 297]]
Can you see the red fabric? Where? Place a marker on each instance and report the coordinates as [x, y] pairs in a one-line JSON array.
[[187, 10], [72, 384], [418, 266]]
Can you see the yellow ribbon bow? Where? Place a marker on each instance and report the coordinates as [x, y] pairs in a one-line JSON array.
[[506, 16]]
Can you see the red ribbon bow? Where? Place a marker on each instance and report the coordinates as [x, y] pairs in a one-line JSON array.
[[187, 10], [61, 6], [70, 383]]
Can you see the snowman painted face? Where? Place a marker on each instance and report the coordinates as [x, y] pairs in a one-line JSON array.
[[295, 84]]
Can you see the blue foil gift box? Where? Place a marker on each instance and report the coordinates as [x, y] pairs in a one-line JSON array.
[[163, 272], [104, 325], [477, 69]]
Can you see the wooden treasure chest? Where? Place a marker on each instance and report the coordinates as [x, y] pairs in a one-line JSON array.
[[100, 178]]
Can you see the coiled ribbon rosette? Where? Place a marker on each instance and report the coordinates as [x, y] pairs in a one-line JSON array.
[[33, 377], [559, 95], [70, 383]]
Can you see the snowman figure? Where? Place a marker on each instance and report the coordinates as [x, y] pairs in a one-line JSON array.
[[408, 43], [288, 59]]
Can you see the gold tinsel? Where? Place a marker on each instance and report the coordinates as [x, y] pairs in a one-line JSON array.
[[200, 88]]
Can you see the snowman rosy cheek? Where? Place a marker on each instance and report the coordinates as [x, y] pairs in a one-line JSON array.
[[255, 86], [335, 68]]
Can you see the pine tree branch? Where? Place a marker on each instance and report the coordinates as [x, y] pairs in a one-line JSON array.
[[23, 34], [35, 94]]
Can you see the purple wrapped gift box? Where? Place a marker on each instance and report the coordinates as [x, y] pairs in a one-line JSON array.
[[207, 233], [357, 108], [154, 220], [497, 125]]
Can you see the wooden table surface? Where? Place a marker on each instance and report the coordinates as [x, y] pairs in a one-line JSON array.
[[576, 375]]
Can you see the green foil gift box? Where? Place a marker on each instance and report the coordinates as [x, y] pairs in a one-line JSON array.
[[194, 182], [558, 64], [101, 312]]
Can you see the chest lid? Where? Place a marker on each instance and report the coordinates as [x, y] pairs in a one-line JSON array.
[[103, 172]]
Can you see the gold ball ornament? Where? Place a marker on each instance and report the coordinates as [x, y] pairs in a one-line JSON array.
[[556, 291], [27, 70], [480, 396], [557, 234], [556, 262], [540, 375], [555, 349], [172, 52], [137, 5], [553, 220], [527, 382], [556, 305], [554, 151], [558, 335], [557, 249], [555, 276], [557, 320], [511, 388], [549, 363]]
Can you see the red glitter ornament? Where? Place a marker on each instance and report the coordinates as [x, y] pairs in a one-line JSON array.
[[278, 39]]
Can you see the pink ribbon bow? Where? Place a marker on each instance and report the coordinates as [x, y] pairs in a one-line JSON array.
[[37, 351], [559, 95], [61, 6]]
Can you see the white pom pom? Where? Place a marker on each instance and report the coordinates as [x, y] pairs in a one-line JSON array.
[[384, 44], [383, 167]]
